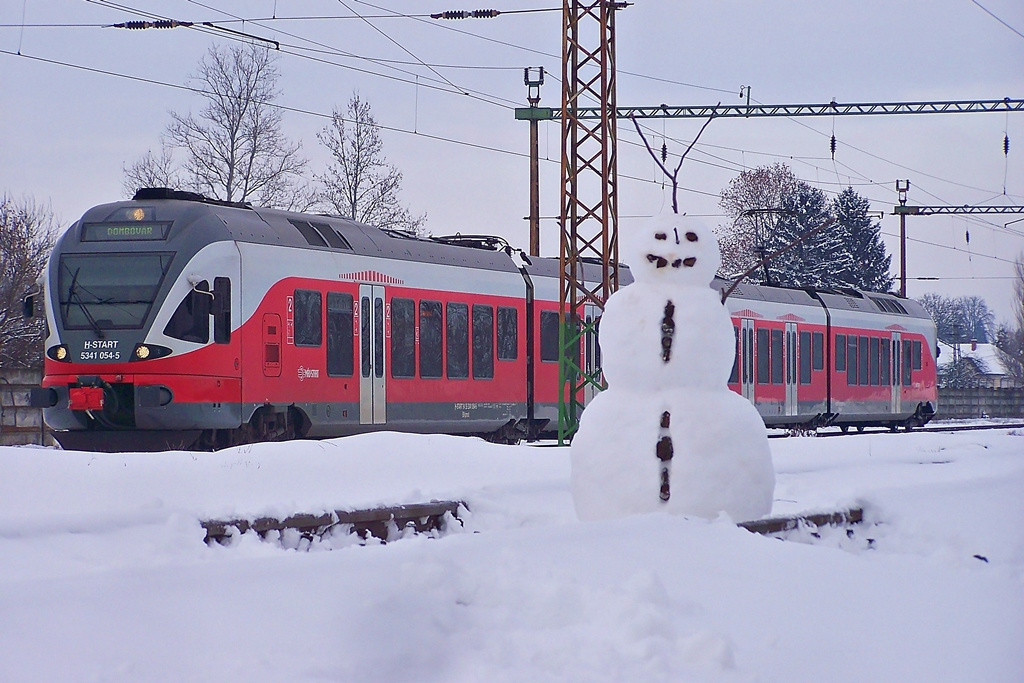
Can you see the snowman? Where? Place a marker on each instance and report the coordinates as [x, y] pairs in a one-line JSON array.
[[668, 434]]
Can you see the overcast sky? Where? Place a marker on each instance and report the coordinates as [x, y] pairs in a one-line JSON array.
[[77, 103]]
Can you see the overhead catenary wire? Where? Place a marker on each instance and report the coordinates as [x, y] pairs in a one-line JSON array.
[[626, 176]]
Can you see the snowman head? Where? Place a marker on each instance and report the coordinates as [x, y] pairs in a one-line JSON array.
[[671, 248]]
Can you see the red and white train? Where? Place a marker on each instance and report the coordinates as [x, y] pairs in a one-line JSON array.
[[177, 321]]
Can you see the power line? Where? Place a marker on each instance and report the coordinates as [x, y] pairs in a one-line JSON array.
[[989, 12]]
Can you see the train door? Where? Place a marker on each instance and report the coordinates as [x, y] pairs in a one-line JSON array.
[[372, 375], [747, 358], [271, 345], [792, 372], [897, 371], [591, 351]]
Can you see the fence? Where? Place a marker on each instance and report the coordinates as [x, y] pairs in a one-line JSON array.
[[20, 424], [980, 402]]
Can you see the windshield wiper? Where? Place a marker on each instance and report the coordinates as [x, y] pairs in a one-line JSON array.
[[74, 298]]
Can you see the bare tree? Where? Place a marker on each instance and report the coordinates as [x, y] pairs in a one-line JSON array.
[[359, 183], [234, 149], [152, 170], [764, 188], [1010, 336], [27, 234]]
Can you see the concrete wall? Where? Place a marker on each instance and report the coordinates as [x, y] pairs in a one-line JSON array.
[[980, 402], [20, 424]]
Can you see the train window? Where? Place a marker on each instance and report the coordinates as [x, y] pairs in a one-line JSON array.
[[403, 338], [777, 357], [457, 341], [308, 325], [483, 341], [840, 352], [884, 363], [549, 336], [340, 344], [917, 355], [431, 338], [378, 337], [191, 319], [818, 350], [805, 358], [908, 364], [221, 308], [873, 362], [364, 335], [851, 361], [109, 291], [763, 357], [508, 333], [734, 376], [864, 368]]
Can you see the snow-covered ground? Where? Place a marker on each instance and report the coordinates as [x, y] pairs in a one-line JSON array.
[[104, 575]]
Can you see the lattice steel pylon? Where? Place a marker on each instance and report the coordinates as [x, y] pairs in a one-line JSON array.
[[589, 209]]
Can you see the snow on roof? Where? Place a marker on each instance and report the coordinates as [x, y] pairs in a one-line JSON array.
[[987, 354]]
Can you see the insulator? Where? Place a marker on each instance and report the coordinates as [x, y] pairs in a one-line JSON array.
[[967, 236], [832, 146], [451, 14], [485, 13], [664, 152], [135, 25], [1006, 145]]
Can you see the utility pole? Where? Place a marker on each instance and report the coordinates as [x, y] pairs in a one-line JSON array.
[[533, 84], [589, 205], [902, 186]]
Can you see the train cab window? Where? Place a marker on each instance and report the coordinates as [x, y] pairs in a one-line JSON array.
[[840, 353], [734, 376], [818, 350], [403, 338], [763, 357], [874, 370], [191, 319], [483, 341], [549, 336], [308, 323], [340, 344], [851, 361], [431, 339], [805, 358], [221, 309], [917, 355], [777, 357], [508, 333], [457, 340]]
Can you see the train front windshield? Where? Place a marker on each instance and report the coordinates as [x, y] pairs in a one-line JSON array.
[[109, 291]]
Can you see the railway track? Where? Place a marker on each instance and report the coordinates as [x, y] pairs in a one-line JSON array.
[[887, 430]]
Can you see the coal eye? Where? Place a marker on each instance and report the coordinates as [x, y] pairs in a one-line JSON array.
[[691, 237], [660, 236]]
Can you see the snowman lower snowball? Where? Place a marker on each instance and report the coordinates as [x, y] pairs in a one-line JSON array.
[[668, 434]]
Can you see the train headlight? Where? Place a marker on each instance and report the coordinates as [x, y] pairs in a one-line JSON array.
[[149, 352], [57, 353], [137, 214]]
